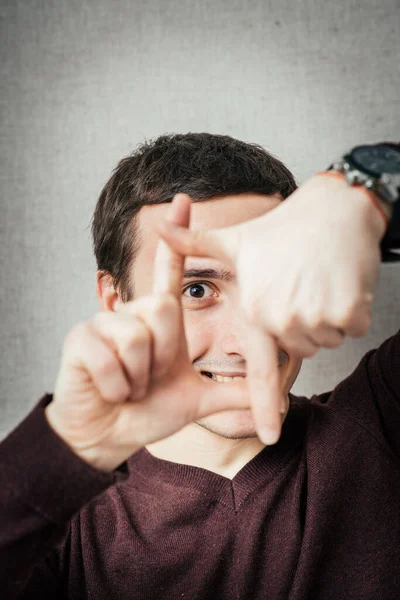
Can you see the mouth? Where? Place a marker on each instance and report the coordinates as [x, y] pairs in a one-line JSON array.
[[223, 377]]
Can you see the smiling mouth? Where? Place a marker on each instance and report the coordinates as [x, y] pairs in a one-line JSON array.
[[222, 378]]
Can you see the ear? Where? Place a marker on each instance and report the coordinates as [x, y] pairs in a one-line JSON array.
[[108, 296]]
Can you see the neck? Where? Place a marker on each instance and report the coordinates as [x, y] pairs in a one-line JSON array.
[[196, 446], [193, 445]]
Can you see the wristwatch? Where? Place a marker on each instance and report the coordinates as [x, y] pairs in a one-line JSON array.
[[377, 168]]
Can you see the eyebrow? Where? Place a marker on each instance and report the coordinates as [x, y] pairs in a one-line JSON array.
[[222, 274]]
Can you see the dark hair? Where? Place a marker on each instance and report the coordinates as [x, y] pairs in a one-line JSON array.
[[202, 165]]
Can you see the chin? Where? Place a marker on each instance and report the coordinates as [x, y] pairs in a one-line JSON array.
[[232, 424]]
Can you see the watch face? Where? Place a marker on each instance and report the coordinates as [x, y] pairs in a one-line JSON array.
[[377, 159]]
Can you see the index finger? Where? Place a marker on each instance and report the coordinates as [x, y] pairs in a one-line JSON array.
[[263, 381], [169, 264]]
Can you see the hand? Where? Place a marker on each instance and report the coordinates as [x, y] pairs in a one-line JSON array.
[[125, 378], [307, 272]]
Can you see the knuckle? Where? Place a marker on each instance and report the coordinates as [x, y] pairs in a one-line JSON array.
[[346, 314], [132, 334], [360, 328], [105, 365], [125, 330], [343, 318], [334, 342], [291, 345], [314, 320], [102, 318], [301, 346], [137, 340], [351, 309], [310, 351], [286, 324], [76, 335]]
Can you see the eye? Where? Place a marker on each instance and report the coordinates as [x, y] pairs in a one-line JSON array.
[[198, 291]]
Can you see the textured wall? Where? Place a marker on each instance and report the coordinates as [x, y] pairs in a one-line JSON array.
[[83, 81]]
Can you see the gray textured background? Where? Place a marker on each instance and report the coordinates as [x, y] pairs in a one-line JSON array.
[[82, 82]]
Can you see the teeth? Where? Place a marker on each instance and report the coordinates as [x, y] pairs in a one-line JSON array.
[[222, 379]]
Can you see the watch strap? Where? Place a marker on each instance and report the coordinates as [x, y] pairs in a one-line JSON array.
[[391, 239]]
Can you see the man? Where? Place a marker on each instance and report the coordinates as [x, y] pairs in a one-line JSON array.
[[143, 475]]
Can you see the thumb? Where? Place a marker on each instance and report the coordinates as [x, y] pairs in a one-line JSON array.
[[264, 383], [222, 244]]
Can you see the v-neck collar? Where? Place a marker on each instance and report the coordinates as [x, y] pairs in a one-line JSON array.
[[230, 492]]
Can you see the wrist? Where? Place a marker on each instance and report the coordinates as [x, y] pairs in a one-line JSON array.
[[378, 211], [101, 457]]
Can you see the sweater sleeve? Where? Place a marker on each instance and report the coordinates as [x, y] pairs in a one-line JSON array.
[[42, 485], [371, 394], [384, 375]]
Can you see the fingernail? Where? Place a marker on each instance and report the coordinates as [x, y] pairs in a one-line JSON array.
[[268, 436]]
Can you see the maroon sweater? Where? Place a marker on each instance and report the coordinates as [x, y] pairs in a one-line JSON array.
[[317, 516]]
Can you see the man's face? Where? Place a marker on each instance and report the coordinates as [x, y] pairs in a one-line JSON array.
[[213, 322]]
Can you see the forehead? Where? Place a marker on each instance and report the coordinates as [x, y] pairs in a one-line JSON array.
[[215, 213]]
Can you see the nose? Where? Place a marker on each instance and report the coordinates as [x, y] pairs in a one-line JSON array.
[[230, 334]]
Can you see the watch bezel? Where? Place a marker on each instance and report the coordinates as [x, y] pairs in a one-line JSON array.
[[349, 157]]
